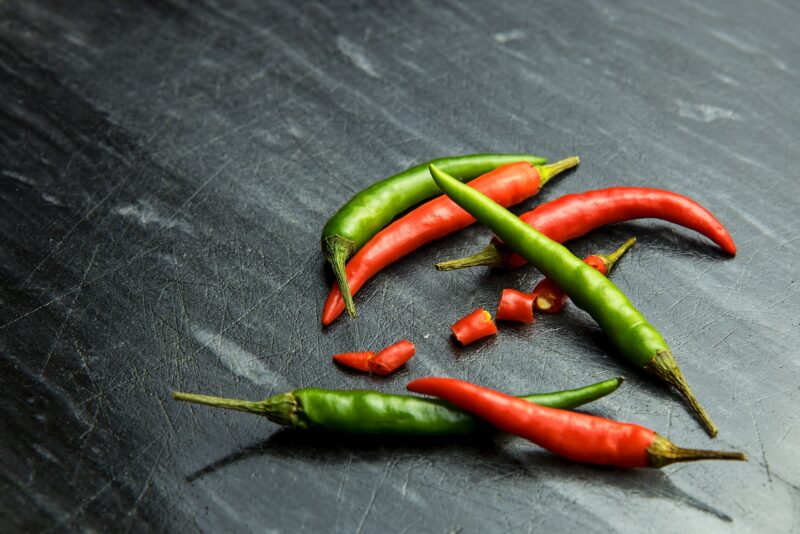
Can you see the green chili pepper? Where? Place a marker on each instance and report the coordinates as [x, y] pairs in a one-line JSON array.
[[637, 340], [371, 412], [370, 210]]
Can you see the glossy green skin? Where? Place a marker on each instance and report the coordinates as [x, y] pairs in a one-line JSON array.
[[637, 340], [372, 209], [370, 412]]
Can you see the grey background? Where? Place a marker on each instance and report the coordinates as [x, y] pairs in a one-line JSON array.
[[165, 170]]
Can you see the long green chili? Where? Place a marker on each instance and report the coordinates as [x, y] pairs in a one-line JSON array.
[[370, 210], [371, 412], [637, 340]]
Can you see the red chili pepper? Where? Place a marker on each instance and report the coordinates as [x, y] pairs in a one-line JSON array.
[[549, 298], [383, 363], [355, 360], [515, 306], [573, 435], [477, 325], [507, 185], [572, 216], [392, 357]]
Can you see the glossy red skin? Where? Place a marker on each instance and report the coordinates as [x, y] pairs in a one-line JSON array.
[[506, 185], [477, 325], [355, 360], [548, 289], [572, 216], [392, 357], [573, 435], [515, 306]]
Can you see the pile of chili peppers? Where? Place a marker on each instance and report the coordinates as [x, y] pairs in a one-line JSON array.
[[362, 238]]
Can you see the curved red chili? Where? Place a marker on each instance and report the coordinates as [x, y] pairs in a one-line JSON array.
[[577, 436], [508, 185], [572, 216], [477, 325], [515, 306]]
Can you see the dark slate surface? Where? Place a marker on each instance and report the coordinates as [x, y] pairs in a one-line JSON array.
[[165, 170]]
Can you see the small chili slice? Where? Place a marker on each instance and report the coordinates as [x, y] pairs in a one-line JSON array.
[[383, 363], [515, 306], [477, 325], [573, 435], [392, 357], [355, 360], [549, 298]]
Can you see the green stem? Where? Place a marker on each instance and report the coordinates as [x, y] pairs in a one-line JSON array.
[[663, 452], [337, 250], [491, 256], [278, 408], [548, 171], [664, 366], [612, 258]]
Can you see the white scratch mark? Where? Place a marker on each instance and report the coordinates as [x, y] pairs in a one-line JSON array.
[[734, 41], [168, 258], [724, 78], [763, 228], [50, 199], [780, 64], [76, 39], [511, 35], [234, 357], [411, 65], [44, 453], [145, 214], [357, 56], [703, 112], [19, 177]]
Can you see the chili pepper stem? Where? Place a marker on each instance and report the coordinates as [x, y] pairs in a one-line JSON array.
[[663, 452], [491, 256], [664, 366], [336, 250], [548, 171], [614, 257], [279, 409]]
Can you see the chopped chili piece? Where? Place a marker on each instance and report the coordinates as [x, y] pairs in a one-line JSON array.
[[515, 306], [573, 435], [355, 360], [392, 357], [383, 363], [477, 325]]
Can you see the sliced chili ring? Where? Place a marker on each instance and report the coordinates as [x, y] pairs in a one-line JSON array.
[[477, 325], [515, 306]]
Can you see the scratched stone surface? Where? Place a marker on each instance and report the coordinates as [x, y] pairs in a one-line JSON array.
[[166, 168]]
